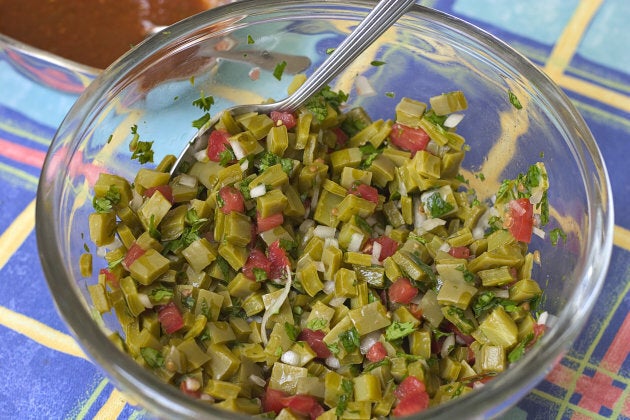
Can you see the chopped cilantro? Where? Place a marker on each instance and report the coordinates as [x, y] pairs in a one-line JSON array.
[[153, 230], [141, 150], [480, 176], [292, 331], [316, 324], [362, 224], [369, 154], [201, 121], [279, 69], [333, 347], [350, 339], [226, 157], [556, 234], [398, 330], [204, 102], [153, 357], [514, 100], [102, 205], [437, 206], [259, 274], [250, 40], [224, 267], [161, 294], [519, 350], [188, 301], [330, 50], [348, 390], [318, 104], [377, 63], [270, 159], [390, 94]]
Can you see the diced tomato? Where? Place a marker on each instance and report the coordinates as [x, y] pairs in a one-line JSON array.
[[133, 253], [315, 339], [231, 200], [402, 291], [165, 190], [408, 387], [388, 247], [256, 259], [287, 119], [521, 219], [411, 405], [269, 222], [377, 352], [412, 397], [459, 251], [408, 138], [170, 318], [217, 144], [272, 400], [191, 393], [365, 191], [304, 405], [278, 258], [342, 137], [110, 278], [415, 310]]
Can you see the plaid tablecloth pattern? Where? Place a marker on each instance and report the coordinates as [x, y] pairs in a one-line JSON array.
[[584, 45]]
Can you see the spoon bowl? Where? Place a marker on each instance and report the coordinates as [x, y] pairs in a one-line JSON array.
[[381, 18]]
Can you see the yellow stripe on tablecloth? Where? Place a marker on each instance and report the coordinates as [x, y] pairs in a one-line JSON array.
[[593, 91], [113, 406], [621, 238], [570, 38], [40, 332], [16, 234]]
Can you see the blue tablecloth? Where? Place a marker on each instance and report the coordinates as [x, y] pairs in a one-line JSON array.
[[581, 44]]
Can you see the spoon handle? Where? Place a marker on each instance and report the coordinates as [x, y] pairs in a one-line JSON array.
[[384, 15]]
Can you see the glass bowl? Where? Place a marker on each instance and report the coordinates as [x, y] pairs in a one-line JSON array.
[[426, 53]]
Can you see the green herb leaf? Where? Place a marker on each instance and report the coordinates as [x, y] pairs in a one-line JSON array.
[[398, 330], [514, 100], [250, 40], [292, 331], [377, 63], [201, 121], [437, 206], [161, 294], [348, 391], [519, 350], [269, 159], [556, 234], [316, 324], [279, 69], [153, 357], [318, 104], [330, 50], [204, 102], [350, 340], [226, 157], [259, 274], [362, 224]]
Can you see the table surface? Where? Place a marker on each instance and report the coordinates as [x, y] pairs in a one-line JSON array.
[[581, 44]]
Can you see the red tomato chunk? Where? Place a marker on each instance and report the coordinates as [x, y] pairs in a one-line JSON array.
[[134, 252], [521, 219], [269, 222], [231, 200], [170, 318], [365, 191], [402, 291], [315, 339], [165, 190], [256, 259], [278, 258], [377, 352], [286, 118], [408, 138], [217, 144], [412, 397]]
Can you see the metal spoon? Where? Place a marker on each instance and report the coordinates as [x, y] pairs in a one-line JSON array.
[[384, 15]]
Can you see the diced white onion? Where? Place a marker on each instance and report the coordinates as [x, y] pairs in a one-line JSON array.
[[136, 200], [537, 195], [320, 266], [186, 180], [368, 340], [258, 191], [102, 250], [329, 287], [539, 232], [275, 306], [377, 248], [542, 318], [502, 293], [452, 120], [363, 86], [290, 358], [355, 242], [331, 242], [144, 299], [257, 380], [432, 223], [324, 232], [244, 165], [447, 345], [332, 362], [418, 215], [238, 150], [478, 233], [192, 384], [477, 385], [254, 73], [336, 301], [388, 230], [445, 247], [201, 156]]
